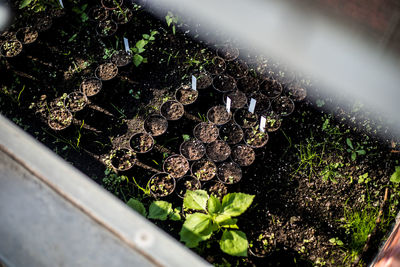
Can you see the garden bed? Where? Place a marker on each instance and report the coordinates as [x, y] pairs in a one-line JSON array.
[[318, 179]]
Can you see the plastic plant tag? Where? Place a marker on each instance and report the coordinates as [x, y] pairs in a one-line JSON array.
[[126, 43], [194, 83], [263, 120], [61, 3], [252, 105], [228, 104]]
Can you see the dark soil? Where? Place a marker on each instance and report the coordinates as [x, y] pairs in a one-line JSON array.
[[106, 71], [237, 69], [98, 13], [273, 121], [262, 103], [218, 115], [228, 52], [245, 118], [296, 91], [229, 173], [186, 183], [75, 101], [231, 133], [283, 106], [91, 86], [59, 118], [204, 169], [186, 95], [206, 132], [162, 185], [123, 159], [172, 110], [243, 155], [216, 188], [121, 58], [238, 99], [218, 151], [248, 84], [254, 138], [110, 4], [224, 83], [176, 165], [43, 23], [27, 35], [204, 80], [193, 149], [216, 66], [11, 48], [141, 142], [271, 88], [156, 125], [106, 28], [122, 17]]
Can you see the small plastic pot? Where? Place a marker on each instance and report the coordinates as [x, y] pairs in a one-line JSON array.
[[271, 88], [224, 83], [176, 165], [218, 151], [273, 121], [243, 155], [11, 48], [231, 133], [122, 17], [97, 13], [238, 99], [43, 23], [123, 159], [263, 102], [155, 125], [237, 69], [162, 184], [192, 149], [206, 132], [204, 80], [248, 84], [297, 92], [59, 118], [172, 110], [262, 244], [218, 115], [106, 71], [141, 142], [27, 35], [110, 4], [228, 52], [245, 118], [216, 188], [216, 66], [91, 86], [204, 169], [186, 95], [106, 28], [255, 138], [283, 106], [186, 183], [75, 101], [121, 58], [229, 173]]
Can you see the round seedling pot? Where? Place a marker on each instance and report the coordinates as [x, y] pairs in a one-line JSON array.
[[27, 35], [141, 142], [204, 80], [243, 155], [297, 92], [122, 17], [206, 132], [216, 66], [192, 149], [161, 184], [245, 118], [271, 88], [273, 121], [43, 23], [106, 28], [172, 110], [106, 71], [11, 48], [186, 95], [283, 106], [218, 151], [59, 118], [262, 244], [204, 169], [284, 75], [238, 99], [228, 52], [91, 86], [186, 183], [216, 188], [123, 159], [231, 133], [237, 69], [176, 165], [218, 115], [75, 101], [248, 84], [263, 102], [224, 83], [255, 138], [111, 4], [121, 58], [229, 173], [97, 14], [155, 125]]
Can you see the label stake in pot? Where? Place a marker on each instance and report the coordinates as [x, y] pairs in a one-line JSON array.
[[228, 104], [263, 121], [194, 83], [126, 44], [61, 3], [252, 105]]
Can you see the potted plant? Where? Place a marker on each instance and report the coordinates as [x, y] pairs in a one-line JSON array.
[[229, 173], [271, 88], [204, 169], [186, 183], [106, 71], [218, 115], [176, 165], [248, 84], [11, 48], [273, 121], [155, 125], [97, 14], [216, 66], [206, 132], [27, 35], [238, 99], [122, 159], [228, 52], [111, 4], [91, 86], [263, 102], [192, 149], [172, 110], [75, 101], [283, 106], [43, 22], [218, 151], [186, 95], [262, 244], [204, 80], [122, 15], [296, 92], [224, 83], [231, 133], [59, 118], [245, 118], [106, 28], [255, 138], [121, 58], [161, 184], [216, 189], [237, 69], [141, 142], [243, 155]]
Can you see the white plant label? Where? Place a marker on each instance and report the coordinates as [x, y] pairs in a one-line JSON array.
[[126, 43], [263, 121], [252, 105], [61, 3], [194, 83], [228, 104]]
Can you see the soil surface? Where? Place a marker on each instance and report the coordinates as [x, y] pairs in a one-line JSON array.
[[172, 110], [106, 71], [229, 173], [218, 115], [162, 185], [204, 169], [91, 86], [224, 83], [186, 95], [186, 183], [123, 159], [245, 118], [141, 142], [156, 125], [238, 99], [206, 132], [231, 133], [218, 151], [193, 149], [176, 165], [243, 155]]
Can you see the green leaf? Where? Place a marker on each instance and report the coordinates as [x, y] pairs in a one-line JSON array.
[[234, 204], [137, 205], [159, 210], [24, 3], [141, 44], [234, 243], [141, 50], [175, 215], [137, 59], [349, 143], [197, 227], [146, 36], [353, 156], [395, 178], [195, 200], [213, 205], [186, 137], [361, 152]]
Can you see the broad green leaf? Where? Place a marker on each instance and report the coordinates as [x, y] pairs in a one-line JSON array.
[[234, 243], [137, 205], [175, 215], [197, 227], [195, 200], [141, 43], [146, 36], [141, 50], [395, 178], [349, 143], [222, 218], [361, 152], [234, 204], [137, 59], [159, 210], [353, 156], [24, 3], [213, 205]]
